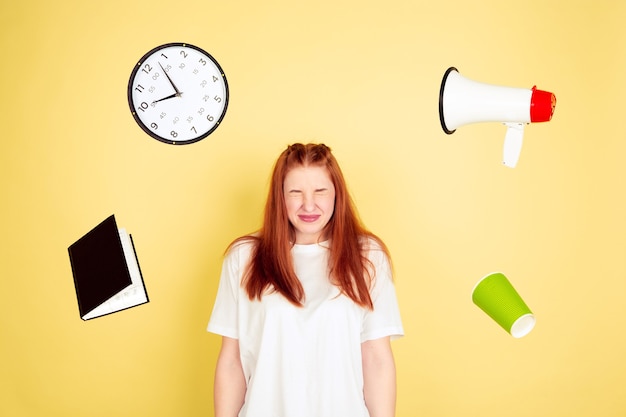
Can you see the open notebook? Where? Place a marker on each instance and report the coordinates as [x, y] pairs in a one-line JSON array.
[[106, 271]]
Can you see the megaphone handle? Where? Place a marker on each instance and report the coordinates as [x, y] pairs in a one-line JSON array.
[[513, 144]]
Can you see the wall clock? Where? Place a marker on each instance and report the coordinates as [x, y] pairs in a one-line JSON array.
[[178, 93]]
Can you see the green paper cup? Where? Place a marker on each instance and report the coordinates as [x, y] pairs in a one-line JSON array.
[[495, 295]]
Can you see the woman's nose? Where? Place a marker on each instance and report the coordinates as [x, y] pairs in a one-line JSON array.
[[308, 202]]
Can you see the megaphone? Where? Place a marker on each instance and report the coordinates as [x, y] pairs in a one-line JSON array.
[[463, 101]]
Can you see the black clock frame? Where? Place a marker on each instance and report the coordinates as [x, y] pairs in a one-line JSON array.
[[133, 106]]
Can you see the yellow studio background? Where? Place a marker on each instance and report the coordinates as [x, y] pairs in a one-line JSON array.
[[363, 77]]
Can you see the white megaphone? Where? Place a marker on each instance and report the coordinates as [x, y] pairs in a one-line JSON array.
[[463, 101]]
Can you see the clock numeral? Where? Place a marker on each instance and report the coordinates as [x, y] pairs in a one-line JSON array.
[[174, 134], [203, 83], [201, 111], [164, 56], [193, 129], [143, 106], [184, 54], [156, 76], [163, 115], [218, 99], [139, 88], [147, 68], [215, 79], [154, 126], [189, 119], [182, 65], [210, 118], [202, 61], [176, 120]]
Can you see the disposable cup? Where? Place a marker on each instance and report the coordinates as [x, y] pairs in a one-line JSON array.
[[496, 296]]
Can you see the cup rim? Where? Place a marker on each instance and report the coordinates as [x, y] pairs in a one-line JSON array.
[[526, 325]]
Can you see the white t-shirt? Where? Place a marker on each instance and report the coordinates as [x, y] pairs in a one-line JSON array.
[[303, 361]]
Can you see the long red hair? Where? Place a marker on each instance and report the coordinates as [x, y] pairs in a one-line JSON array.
[[271, 267]]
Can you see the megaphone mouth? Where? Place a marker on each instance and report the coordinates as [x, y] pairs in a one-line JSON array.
[[441, 90]]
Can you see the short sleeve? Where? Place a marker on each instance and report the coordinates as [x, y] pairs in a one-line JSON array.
[[384, 320], [224, 317]]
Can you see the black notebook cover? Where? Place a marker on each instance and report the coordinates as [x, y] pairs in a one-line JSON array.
[[99, 266]]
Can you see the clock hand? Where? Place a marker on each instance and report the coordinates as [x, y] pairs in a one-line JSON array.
[[168, 97], [178, 93]]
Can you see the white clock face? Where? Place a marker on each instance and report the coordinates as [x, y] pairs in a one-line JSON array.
[[178, 93]]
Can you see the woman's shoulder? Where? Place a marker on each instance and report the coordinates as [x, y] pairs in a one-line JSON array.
[[375, 249], [241, 247], [373, 243]]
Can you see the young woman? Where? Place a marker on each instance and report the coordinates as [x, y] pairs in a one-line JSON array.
[[306, 307]]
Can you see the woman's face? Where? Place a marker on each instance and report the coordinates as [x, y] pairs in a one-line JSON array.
[[310, 200]]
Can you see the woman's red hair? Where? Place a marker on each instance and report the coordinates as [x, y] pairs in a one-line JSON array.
[[271, 266]]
